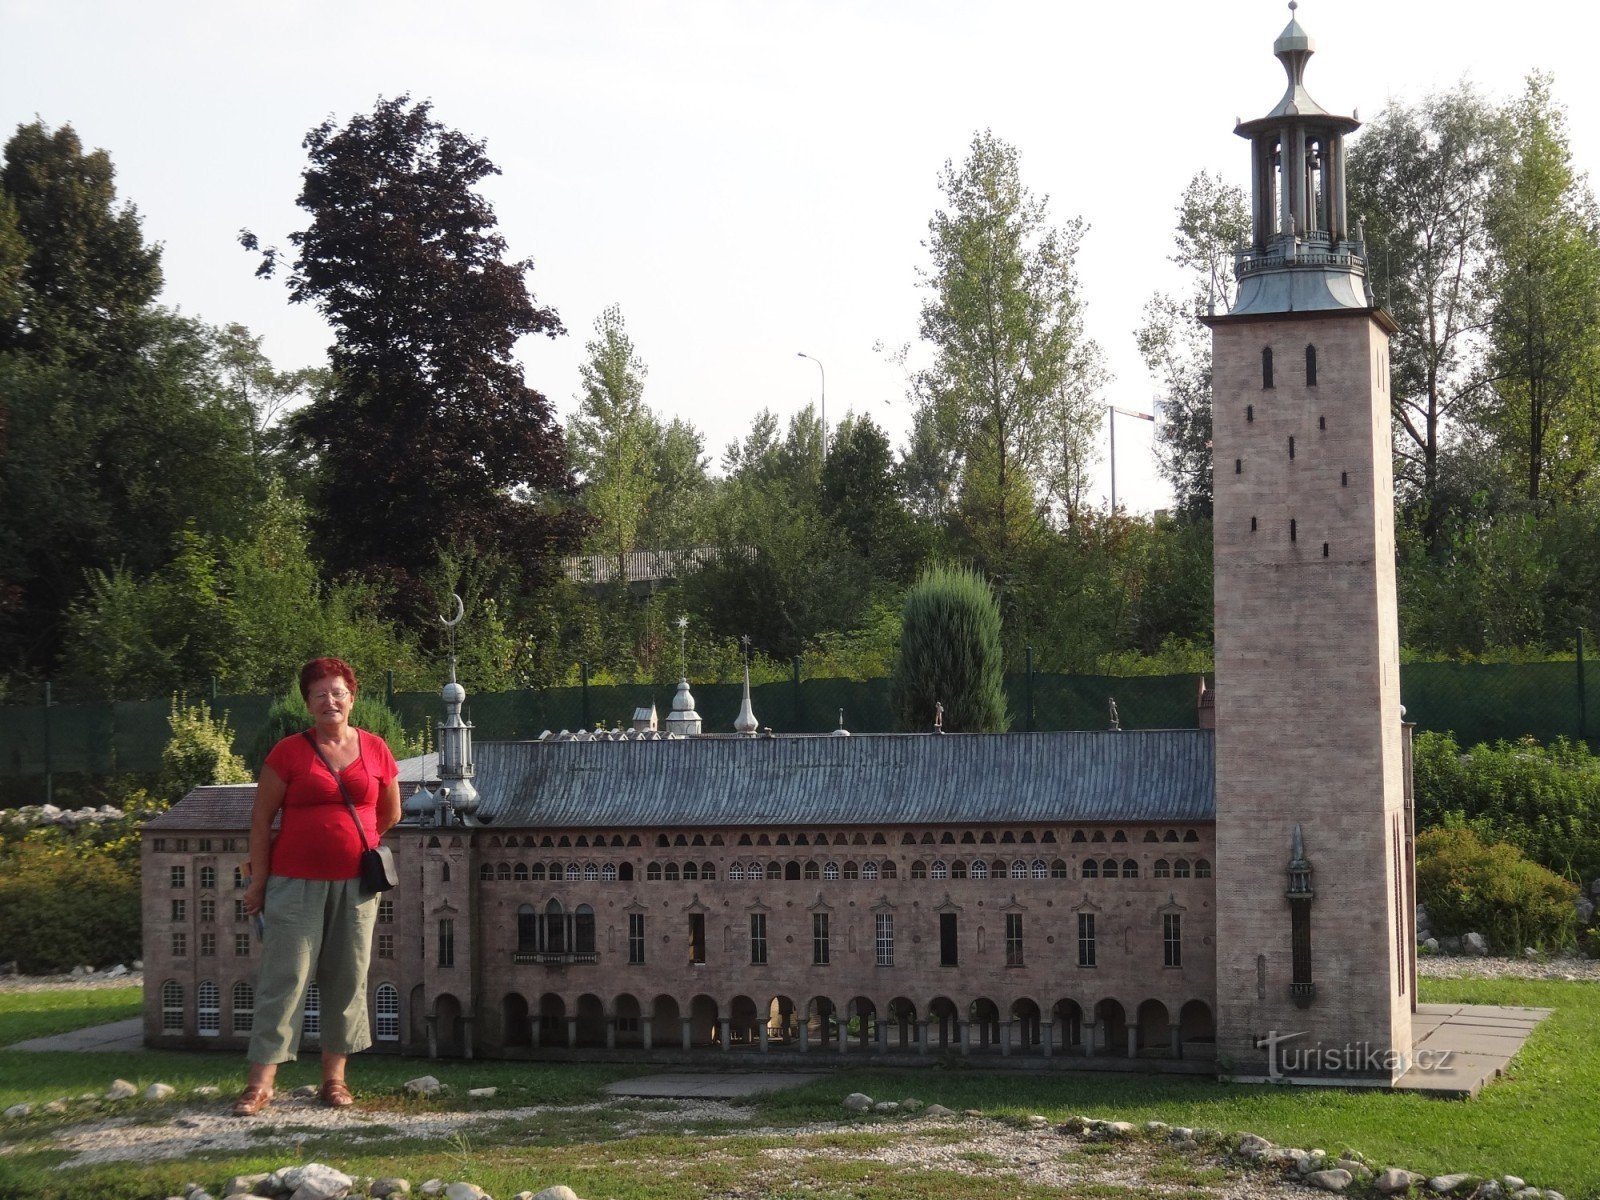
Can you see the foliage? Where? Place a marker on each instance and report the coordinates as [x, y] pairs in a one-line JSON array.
[[1543, 800], [68, 899], [200, 751], [429, 437], [950, 654], [1492, 889], [288, 716]]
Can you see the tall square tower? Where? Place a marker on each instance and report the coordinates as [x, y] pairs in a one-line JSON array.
[[1313, 875]]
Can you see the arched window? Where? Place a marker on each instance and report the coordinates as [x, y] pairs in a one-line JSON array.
[[527, 929], [625, 872], [1019, 870], [572, 872], [1130, 869], [1311, 366], [851, 871], [520, 872], [1180, 868], [757, 873], [583, 930], [536, 871], [691, 870], [1108, 869], [1202, 869], [652, 872], [444, 872], [486, 872], [172, 1007], [830, 870], [812, 871], [1091, 869], [672, 872], [869, 870], [502, 872], [919, 869], [735, 872], [958, 869], [997, 869], [591, 872], [608, 873], [1161, 870], [386, 1010], [555, 872], [890, 871], [1038, 870], [555, 928], [208, 1009], [1266, 366], [980, 869], [791, 870], [708, 870], [244, 1007], [939, 870], [311, 1014], [1058, 869]]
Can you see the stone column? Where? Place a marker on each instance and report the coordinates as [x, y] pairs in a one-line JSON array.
[[1175, 1040], [1047, 1037], [964, 1035], [1133, 1041], [646, 1033], [883, 1037], [922, 1035], [1091, 1034], [535, 1027], [467, 1022], [841, 1017], [761, 1029], [805, 1036], [1007, 1030], [572, 1031], [611, 1033], [432, 1022], [687, 1041], [726, 1029]]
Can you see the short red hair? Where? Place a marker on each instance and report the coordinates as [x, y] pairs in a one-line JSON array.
[[321, 668]]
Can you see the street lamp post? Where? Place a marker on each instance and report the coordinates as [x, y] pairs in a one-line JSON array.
[[824, 405], [1111, 421]]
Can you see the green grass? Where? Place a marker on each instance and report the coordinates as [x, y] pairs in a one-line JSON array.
[[25, 1015], [1537, 1123]]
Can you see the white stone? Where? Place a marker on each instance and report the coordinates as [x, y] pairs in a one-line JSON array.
[[239, 1185], [1156, 1127], [117, 972], [886, 1106], [433, 1187], [1253, 1146], [912, 1104], [159, 1091], [1035, 1121], [424, 1085], [1444, 1184], [487, 1093], [1513, 1183], [1431, 945], [1529, 1193], [315, 1181], [206, 1089], [559, 1191], [1335, 1180], [1120, 1128], [461, 1190], [1475, 944], [17, 1111], [1395, 1179], [858, 1102], [392, 1186], [937, 1110], [121, 1089], [56, 1106]]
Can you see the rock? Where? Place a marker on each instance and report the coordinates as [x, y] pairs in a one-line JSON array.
[[1309, 1162], [937, 1110], [1450, 944], [433, 1187], [1358, 1170], [1431, 945], [91, 1095], [1181, 1133], [559, 1191], [1530, 1193], [972, 1112], [487, 1093], [55, 1106], [1445, 1184], [121, 1089], [137, 964], [1475, 944], [424, 1085], [1512, 1183], [159, 1091], [465, 1191], [1120, 1129], [858, 1102], [117, 972], [306, 1091], [200, 1194], [912, 1104], [1395, 1179], [1035, 1121], [1156, 1127], [886, 1106], [17, 1111], [239, 1185], [1253, 1146], [1489, 1189], [206, 1090], [1335, 1180], [1552, 1194], [315, 1181], [392, 1186]]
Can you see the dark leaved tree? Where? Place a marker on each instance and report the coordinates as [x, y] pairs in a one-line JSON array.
[[429, 438]]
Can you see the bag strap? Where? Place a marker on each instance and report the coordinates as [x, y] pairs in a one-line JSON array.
[[348, 803]]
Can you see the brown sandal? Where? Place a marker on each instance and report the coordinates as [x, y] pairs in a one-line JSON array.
[[252, 1100], [335, 1093]]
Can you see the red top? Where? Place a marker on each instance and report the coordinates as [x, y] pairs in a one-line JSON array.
[[317, 839]]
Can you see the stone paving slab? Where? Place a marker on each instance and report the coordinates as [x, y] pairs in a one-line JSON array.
[[705, 1086], [1461, 1047], [117, 1035]]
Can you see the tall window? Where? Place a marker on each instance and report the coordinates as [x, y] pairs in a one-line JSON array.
[[527, 929], [180, 910], [1172, 939], [208, 877], [180, 945], [1086, 939], [819, 939], [208, 1009], [241, 945], [385, 911], [172, 1007], [1311, 366], [636, 938], [1013, 939], [583, 930], [1266, 367], [385, 945], [208, 910], [311, 1014], [239, 913], [884, 940], [697, 937], [208, 945], [386, 1008], [179, 877], [758, 939], [238, 877], [447, 942], [947, 940], [244, 1007]]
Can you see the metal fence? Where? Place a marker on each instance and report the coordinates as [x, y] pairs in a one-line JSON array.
[[1475, 701]]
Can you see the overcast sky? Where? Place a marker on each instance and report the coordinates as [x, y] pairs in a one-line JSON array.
[[747, 180]]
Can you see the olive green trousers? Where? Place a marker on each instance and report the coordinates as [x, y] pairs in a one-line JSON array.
[[318, 931]]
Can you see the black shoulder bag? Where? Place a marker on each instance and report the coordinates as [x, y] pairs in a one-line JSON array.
[[378, 873]]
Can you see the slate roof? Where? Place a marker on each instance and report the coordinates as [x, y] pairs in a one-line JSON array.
[[890, 779]]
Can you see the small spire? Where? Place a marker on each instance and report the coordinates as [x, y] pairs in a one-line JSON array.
[[745, 723], [841, 731]]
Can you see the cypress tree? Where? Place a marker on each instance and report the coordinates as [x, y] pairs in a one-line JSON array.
[[950, 654]]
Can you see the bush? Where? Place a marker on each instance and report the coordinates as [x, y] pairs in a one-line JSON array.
[[200, 751], [288, 716], [950, 653], [1493, 890], [70, 898]]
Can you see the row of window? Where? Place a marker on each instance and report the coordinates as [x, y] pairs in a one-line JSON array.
[[242, 1010], [1267, 369], [203, 845], [928, 838], [205, 877], [207, 944], [757, 872]]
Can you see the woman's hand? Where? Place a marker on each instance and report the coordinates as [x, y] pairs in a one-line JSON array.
[[255, 894]]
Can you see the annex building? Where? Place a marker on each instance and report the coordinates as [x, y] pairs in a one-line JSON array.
[[1186, 898]]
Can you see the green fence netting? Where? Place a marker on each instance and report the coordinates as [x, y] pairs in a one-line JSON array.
[[1476, 701]]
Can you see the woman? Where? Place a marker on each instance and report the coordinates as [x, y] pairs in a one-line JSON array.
[[305, 883]]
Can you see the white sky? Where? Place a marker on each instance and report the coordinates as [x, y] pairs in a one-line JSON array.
[[747, 180]]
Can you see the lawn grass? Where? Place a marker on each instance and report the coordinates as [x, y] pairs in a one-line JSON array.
[[25, 1015], [1538, 1122]]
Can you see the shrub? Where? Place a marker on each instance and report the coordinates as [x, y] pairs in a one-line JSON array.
[[1494, 890], [200, 751], [288, 716], [950, 654], [70, 898]]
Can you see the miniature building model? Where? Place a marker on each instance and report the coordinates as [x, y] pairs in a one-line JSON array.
[[1056, 895]]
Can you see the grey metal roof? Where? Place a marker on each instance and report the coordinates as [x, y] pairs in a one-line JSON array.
[[223, 807], [1134, 775]]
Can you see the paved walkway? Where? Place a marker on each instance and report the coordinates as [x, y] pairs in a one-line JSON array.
[[705, 1086], [118, 1035], [1457, 1048]]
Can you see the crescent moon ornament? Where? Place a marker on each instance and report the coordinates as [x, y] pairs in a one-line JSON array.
[[461, 611]]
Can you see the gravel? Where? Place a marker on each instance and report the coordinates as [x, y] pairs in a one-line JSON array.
[[1569, 967]]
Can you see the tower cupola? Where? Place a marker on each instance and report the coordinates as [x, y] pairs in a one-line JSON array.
[[1303, 254]]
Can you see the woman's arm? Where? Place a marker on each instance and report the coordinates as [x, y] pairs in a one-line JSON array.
[[269, 799], [388, 806]]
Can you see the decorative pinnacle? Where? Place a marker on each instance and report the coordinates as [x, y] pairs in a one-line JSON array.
[[683, 644], [1293, 4]]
